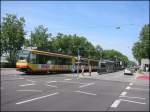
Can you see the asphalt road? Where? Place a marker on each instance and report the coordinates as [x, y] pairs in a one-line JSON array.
[[62, 92]]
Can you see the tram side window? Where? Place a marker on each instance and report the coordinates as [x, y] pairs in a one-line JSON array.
[[64, 61], [51, 60], [40, 59], [103, 65], [32, 58]]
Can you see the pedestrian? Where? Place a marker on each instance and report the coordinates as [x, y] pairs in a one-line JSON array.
[[146, 68], [73, 70], [82, 68], [90, 70]]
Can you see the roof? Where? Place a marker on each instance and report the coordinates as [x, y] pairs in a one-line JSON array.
[[59, 55]]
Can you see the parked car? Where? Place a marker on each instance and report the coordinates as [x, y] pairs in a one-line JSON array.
[[129, 71]]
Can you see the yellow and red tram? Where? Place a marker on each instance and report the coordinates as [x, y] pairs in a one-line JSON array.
[[41, 61]]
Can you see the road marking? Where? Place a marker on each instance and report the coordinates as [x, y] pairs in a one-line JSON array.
[[12, 79], [86, 85], [27, 85], [141, 89], [51, 81], [141, 85], [132, 97], [30, 80], [51, 85], [30, 90], [123, 93], [85, 92], [67, 79], [73, 82], [132, 101], [131, 84], [116, 103], [128, 87], [36, 98]]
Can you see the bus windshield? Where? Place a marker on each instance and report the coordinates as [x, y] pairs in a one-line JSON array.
[[23, 54]]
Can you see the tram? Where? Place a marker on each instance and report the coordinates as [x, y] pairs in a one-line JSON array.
[[31, 61]]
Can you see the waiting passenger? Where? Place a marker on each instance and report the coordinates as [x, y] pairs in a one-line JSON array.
[[90, 70]]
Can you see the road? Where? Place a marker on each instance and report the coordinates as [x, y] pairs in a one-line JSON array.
[[62, 92]]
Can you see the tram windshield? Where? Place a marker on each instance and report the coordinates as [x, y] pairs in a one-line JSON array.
[[23, 54]]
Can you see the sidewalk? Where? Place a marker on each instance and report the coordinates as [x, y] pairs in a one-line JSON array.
[[143, 74]]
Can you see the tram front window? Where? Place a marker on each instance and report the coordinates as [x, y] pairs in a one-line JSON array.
[[23, 54]]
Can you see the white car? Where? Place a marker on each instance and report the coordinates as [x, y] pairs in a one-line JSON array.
[[128, 71]]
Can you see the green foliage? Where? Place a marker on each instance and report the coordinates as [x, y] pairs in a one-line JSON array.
[[40, 37], [141, 48], [114, 55], [12, 36], [144, 39], [69, 44], [137, 51]]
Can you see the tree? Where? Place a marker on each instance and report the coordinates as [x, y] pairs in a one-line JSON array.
[[144, 39], [114, 55], [12, 36], [40, 37], [99, 50], [70, 44], [27, 42], [137, 51], [141, 48]]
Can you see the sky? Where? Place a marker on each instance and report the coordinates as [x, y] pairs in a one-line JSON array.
[[95, 20]]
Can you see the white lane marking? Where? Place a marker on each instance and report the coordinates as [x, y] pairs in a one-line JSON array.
[[51, 81], [30, 90], [73, 82], [36, 98], [86, 85], [128, 87], [27, 85], [131, 84], [30, 80], [67, 79], [14, 79], [132, 101], [51, 85], [140, 89], [85, 92], [123, 93], [132, 97], [116, 103], [144, 85]]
